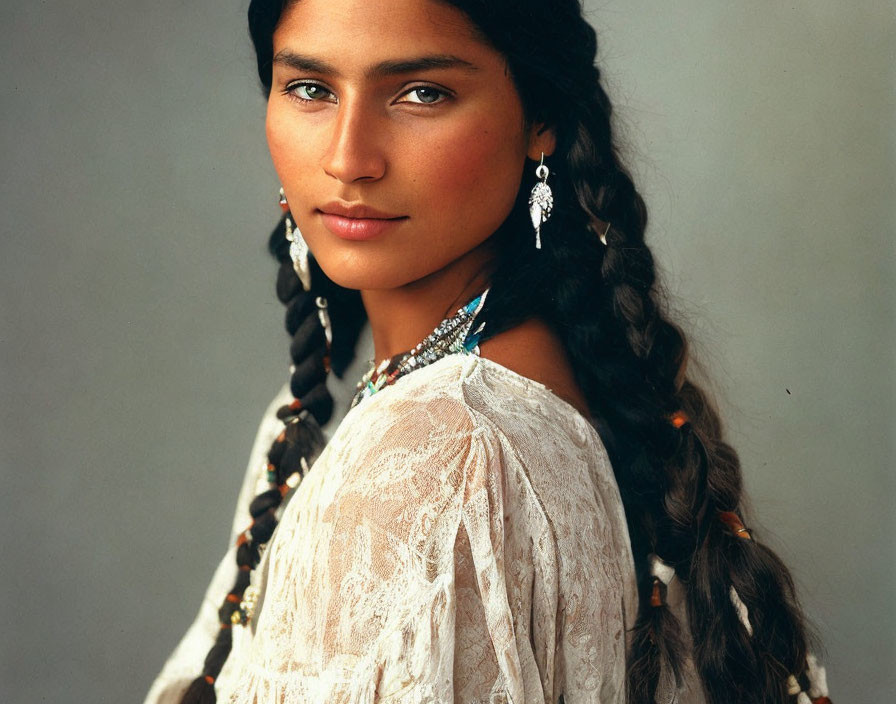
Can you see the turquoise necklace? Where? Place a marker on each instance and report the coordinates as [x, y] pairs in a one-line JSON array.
[[452, 336]]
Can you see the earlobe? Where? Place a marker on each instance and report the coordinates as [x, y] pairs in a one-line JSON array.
[[542, 138]]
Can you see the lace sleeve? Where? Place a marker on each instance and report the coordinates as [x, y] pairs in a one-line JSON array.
[[553, 568], [185, 661], [358, 595]]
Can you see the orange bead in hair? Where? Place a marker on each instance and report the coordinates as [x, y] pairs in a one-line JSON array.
[[732, 520], [656, 597], [209, 679], [679, 418]]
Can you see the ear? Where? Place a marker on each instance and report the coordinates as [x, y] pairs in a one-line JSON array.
[[541, 139]]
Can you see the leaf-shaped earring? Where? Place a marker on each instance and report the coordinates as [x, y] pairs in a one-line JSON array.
[[541, 201], [323, 315], [298, 249]]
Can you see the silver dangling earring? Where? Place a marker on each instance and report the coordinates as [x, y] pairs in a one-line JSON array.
[[541, 201], [323, 315], [298, 249], [603, 235]]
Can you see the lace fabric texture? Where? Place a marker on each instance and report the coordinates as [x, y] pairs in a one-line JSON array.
[[460, 539]]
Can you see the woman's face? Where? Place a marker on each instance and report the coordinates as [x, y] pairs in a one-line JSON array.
[[394, 105]]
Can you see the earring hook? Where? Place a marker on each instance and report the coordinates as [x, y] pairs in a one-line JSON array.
[[542, 171]]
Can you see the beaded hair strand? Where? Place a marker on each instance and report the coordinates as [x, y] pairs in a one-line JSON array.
[[811, 686], [295, 448]]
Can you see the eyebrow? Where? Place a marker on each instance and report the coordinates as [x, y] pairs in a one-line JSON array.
[[392, 67]]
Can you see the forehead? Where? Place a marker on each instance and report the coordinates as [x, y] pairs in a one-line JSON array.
[[357, 33]]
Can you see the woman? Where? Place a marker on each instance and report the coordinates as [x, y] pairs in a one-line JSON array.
[[466, 534]]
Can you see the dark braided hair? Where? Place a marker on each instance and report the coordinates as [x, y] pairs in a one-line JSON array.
[[301, 441], [680, 482], [631, 363]]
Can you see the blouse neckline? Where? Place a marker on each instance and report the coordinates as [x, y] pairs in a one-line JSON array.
[[514, 377], [529, 382]]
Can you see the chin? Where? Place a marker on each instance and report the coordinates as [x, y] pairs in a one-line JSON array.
[[361, 276]]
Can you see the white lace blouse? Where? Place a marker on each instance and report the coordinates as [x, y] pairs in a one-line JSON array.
[[460, 539]]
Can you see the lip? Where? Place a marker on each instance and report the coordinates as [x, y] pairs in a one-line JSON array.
[[356, 211], [356, 221]]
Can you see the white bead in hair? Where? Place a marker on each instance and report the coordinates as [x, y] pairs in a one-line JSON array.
[[818, 686], [664, 571], [742, 613], [818, 681]]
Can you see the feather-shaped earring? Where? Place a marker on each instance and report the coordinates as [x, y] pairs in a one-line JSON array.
[[541, 201], [298, 249]]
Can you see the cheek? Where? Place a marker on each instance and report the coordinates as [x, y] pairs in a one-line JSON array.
[[274, 131], [288, 154], [475, 168]]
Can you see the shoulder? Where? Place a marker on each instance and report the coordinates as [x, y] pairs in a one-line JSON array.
[[421, 425], [431, 396], [518, 371], [466, 403], [533, 350]]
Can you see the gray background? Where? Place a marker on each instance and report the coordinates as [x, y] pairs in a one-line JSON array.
[[141, 341]]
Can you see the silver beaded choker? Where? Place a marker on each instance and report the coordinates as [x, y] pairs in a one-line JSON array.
[[452, 336]]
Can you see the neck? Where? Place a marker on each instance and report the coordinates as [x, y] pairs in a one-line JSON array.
[[401, 317]]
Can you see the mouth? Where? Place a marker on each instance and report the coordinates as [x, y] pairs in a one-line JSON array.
[[358, 228], [356, 211]]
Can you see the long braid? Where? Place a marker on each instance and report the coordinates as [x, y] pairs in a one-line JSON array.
[[694, 472], [297, 447], [676, 473], [700, 477]]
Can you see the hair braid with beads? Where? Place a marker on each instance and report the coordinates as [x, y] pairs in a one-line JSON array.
[[675, 471], [679, 480], [300, 442]]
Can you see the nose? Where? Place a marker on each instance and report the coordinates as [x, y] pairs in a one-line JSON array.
[[352, 154]]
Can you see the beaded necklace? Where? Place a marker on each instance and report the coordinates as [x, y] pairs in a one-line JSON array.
[[452, 335]]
